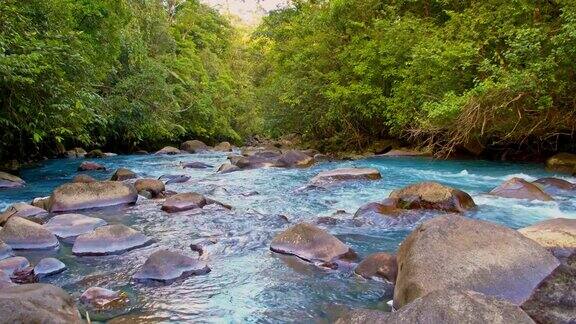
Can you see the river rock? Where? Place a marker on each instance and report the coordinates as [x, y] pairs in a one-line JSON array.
[[5, 251], [380, 265], [25, 210], [168, 150], [562, 162], [294, 159], [153, 186], [72, 225], [22, 234], [174, 178], [223, 147], [520, 189], [311, 244], [10, 181], [405, 152], [557, 235], [37, 303], [166, 265], [49, 266], [228, 167], [194, 146], [432, 195], [13, 264], [196, 165], [554, 186], [41, 202], [346, 174], [184, 201], [109, 239], [75, 153], [554, 300], [456, 252], [123, 174], [445, 307], [97, 153], [84, 178], [99, 297], [77, 196], [91, 166], [5, 280]]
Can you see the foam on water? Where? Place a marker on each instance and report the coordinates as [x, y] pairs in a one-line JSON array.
[[248, 283]]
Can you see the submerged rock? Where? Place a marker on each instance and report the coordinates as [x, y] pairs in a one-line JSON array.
[[168, 150], [37, 303], [346, 174], [311, 244], [83, 178], [184, 201], [71, 225], [91, 166], [77, 196], [223, 147], [294, 159], [196, 165], [380, 265], [456, 252], [10, 181], [174, 178], [99, 297], [13, 264], [109, 239], [445, 307], [166, 265], [554, 300], [123, 174], [153, 186], [5, 251], [562, 162], [49, 266], [557, 235], [432, 195], [554, 185], [520, 189], [194, 146], [22, 234]]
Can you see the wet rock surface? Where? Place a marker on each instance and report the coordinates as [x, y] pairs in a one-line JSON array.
[[520, 189], [380, 265], [457, 252], [10, 181], [553, 186], [557, 235], [37, 303], [174, 178], [183, 202], [122, 174], [78, 196], [83, 178], [98, 297], [346, 174], [196, 165], [153, 186], [49, 266], [109, 239], [166, 265], [71, 225], [13, 264], [432, 195], [23, 210], [5, 250], [22, 234], [91, 166]]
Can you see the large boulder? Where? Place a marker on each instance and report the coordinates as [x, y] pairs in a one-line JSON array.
[[72, 225], [223, 147], [445, 307], [379, 265], [456, 252], [520, 189], [83, 178], [294, 159], [311, 244], [123, 174], [554, 186], [153, 186], [22, 234], [168, 150], [554, 300], [37, 303], [14, 264], [346, 174], [562, 162], [5, 251], [432, 195], [194, 146], [184, 201], [91, 166], [166, 265], [109, 239], [49, 266], [77, 196], [10, 181], [557, 235]]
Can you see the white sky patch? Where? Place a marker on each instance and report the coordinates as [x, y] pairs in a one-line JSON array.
[[250, 11]]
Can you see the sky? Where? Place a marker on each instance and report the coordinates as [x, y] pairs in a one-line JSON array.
[[249, 10]]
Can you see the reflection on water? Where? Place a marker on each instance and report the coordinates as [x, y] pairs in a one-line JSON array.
[[248, 283]]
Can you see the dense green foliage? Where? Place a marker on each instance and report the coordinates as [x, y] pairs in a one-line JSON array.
[[440, 72], [119, 73]]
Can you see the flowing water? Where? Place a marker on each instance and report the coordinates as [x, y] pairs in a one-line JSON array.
[[249, 283]]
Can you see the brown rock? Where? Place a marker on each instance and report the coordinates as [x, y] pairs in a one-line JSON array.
[[562, 162], [346, 174], [557, 235], [520, 189], [10, 181], [123, 174], [406, 152], [432, 195], [294, 159], [223, 147], [168, 150], [83, 178], [184, 201], [378, 265], [91, 166], [153, 186], [22, 234], [76, 196], [554, 185], [194, 146], [109, 239], [95, 154]]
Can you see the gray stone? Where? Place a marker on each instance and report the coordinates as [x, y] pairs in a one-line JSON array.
[[71, 225], [13, 264], [77, 196], [10, 181], [184, 201], [109, 239], [228, 167], [346, 174], [49, 266], [5, 250], [22, 234], [166, 265]]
